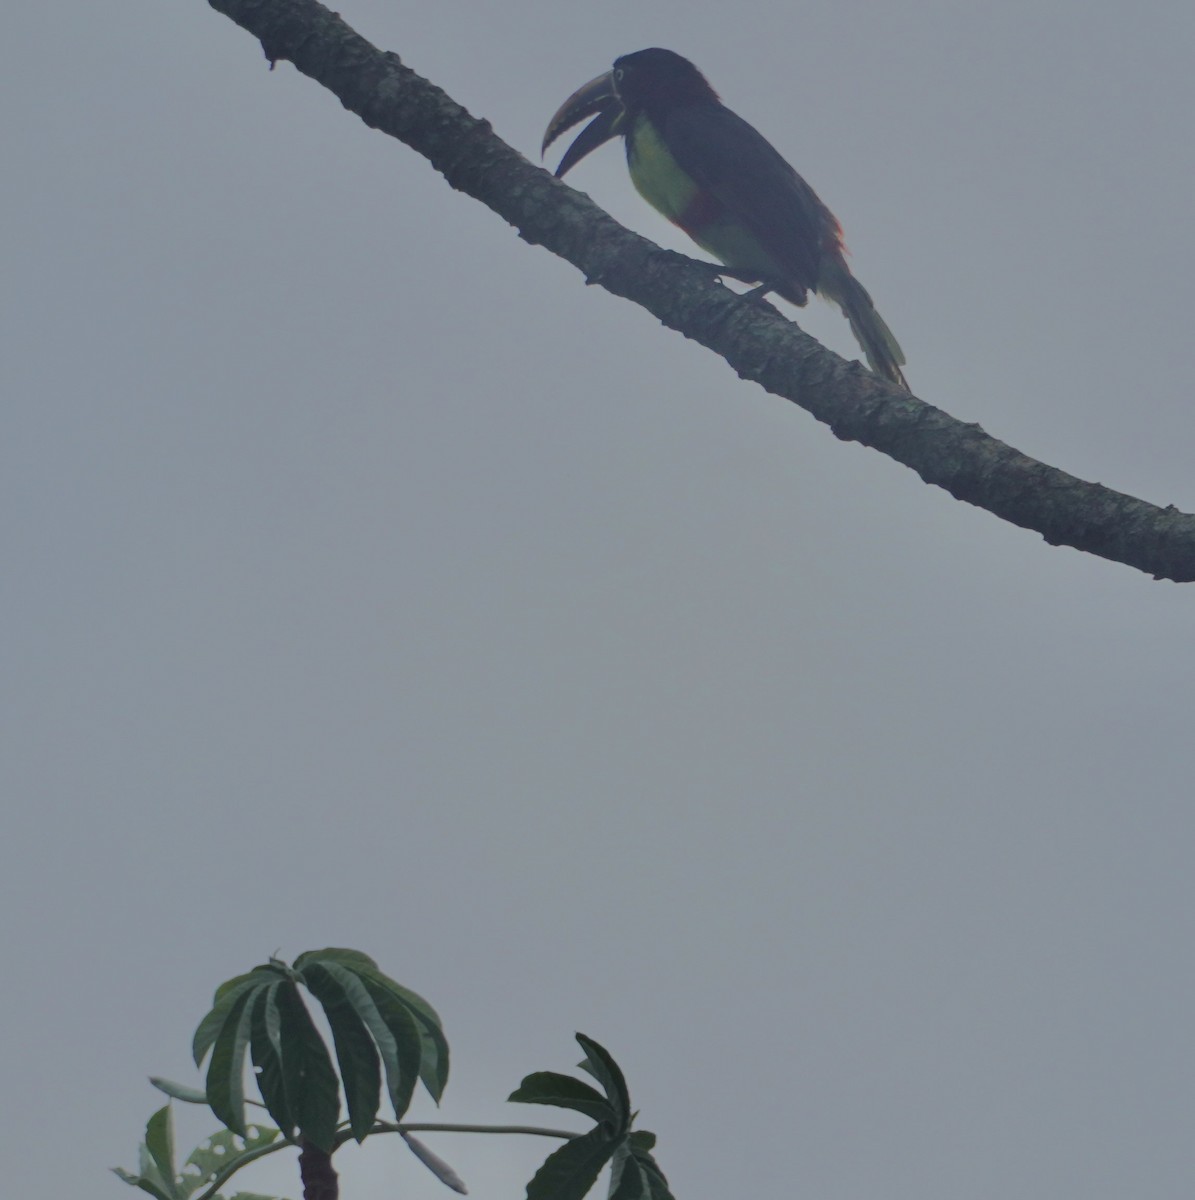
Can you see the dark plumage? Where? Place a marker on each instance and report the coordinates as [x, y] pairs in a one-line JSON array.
[[710, 172]]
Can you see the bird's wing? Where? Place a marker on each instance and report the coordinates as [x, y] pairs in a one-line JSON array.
[[732, 160]]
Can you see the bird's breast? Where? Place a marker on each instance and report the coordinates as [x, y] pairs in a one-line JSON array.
[[658, 177], [669, 189]]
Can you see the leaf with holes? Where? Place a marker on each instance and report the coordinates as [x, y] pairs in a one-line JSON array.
[[224, 1153]]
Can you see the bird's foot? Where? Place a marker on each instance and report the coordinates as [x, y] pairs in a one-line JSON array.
[[714, 270]]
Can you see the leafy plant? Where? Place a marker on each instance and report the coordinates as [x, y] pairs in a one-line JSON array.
[[382, 1034], [376, 1024], [568, 1173], [209, 1165]]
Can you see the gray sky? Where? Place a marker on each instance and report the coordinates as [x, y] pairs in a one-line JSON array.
[[370, 581]]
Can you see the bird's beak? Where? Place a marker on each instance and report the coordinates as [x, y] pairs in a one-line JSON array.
[[597, 96]]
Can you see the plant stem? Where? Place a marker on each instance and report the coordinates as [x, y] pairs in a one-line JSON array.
[[441, 1127]]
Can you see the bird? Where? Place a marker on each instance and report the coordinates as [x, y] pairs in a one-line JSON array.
[[721, 181]]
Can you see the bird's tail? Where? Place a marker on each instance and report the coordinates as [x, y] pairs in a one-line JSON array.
[[884, 355]]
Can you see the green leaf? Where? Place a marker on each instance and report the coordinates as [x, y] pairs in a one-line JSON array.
[[179, 1091], [265, 1046], [355, 960], [273, 969], [148, 1169], [599, 1063], [360, 1070], [433, 1069], [410, 1045], [627, 1181], [159, 1141], [227, 994], [563, 1091], [390, 998], [397, 1041], [362, 964], [433, 1064], [568, 1173], [226, 1071], [155, 1158], [312, 1088], [641, 1144], [433, 1060], [146, 1185], [223, 1154], [415, 1002]]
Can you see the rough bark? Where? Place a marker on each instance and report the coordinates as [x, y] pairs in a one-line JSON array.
[[316, 1171]]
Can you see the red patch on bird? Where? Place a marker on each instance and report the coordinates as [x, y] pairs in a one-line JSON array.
[[701, 211]]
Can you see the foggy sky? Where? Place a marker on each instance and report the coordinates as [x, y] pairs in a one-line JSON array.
[[371, 581]]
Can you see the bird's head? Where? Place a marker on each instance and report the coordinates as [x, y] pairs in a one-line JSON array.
[[650, 78], [645, 81]]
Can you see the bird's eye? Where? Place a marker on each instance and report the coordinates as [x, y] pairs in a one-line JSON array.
[[618, 74]]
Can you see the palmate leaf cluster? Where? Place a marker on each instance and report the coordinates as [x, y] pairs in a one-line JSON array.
[[569, 1173], [380, 1030], [383, 1035]]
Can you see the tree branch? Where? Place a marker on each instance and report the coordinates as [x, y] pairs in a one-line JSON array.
[[753, 338]]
